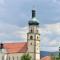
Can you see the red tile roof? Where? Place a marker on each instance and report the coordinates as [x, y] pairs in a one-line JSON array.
[[46, 58], [16, 47]]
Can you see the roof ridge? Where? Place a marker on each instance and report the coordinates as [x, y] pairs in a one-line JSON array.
[[14, 42]]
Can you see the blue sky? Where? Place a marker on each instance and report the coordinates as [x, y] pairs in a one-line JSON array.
[[14, 17]]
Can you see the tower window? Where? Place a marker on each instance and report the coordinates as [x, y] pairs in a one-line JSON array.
[[37, 37], [31, 37], [31, 43], [37, 48], [31, 30]]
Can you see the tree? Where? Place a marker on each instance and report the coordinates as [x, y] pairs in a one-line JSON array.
[[26, 56]]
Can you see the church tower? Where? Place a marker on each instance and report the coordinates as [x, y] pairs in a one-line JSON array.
[[33, 37]]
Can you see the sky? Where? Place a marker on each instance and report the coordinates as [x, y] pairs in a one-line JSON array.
[[14, 17]]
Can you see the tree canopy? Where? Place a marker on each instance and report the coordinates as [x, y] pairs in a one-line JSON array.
[[26, 56]]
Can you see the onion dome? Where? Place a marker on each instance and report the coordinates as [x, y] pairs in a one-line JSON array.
[[33, 21]]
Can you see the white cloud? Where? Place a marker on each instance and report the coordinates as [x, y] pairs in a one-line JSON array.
[[2, 2], [54, 1], [50, 36], [8, 28], [54, 28], [51, 49], [10, 32], [53, 43], [1, 33], [51, 28], [22, 33]]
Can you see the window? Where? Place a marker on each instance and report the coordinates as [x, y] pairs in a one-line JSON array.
[[37, 48], [37, 31], [31, 43], [37, 37], [31, 30], [31, 37]]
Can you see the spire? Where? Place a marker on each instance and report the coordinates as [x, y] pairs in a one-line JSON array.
[[33, 13], [33, 21]]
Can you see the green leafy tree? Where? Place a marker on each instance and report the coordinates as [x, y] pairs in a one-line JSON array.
[[26, 57]]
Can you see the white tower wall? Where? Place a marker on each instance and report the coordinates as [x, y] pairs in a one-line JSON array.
[[33, 39]]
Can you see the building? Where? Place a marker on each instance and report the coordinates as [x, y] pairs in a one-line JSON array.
[[14, 51]]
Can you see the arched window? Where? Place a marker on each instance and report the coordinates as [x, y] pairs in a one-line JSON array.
[[31, 37], [37, 37]]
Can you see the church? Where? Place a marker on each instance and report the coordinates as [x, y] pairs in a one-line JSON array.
[[14, 51]]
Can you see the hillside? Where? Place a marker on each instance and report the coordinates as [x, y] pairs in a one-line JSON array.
[[44, 53]]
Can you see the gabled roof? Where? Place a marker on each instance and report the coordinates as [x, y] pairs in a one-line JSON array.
[[20, 47]]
